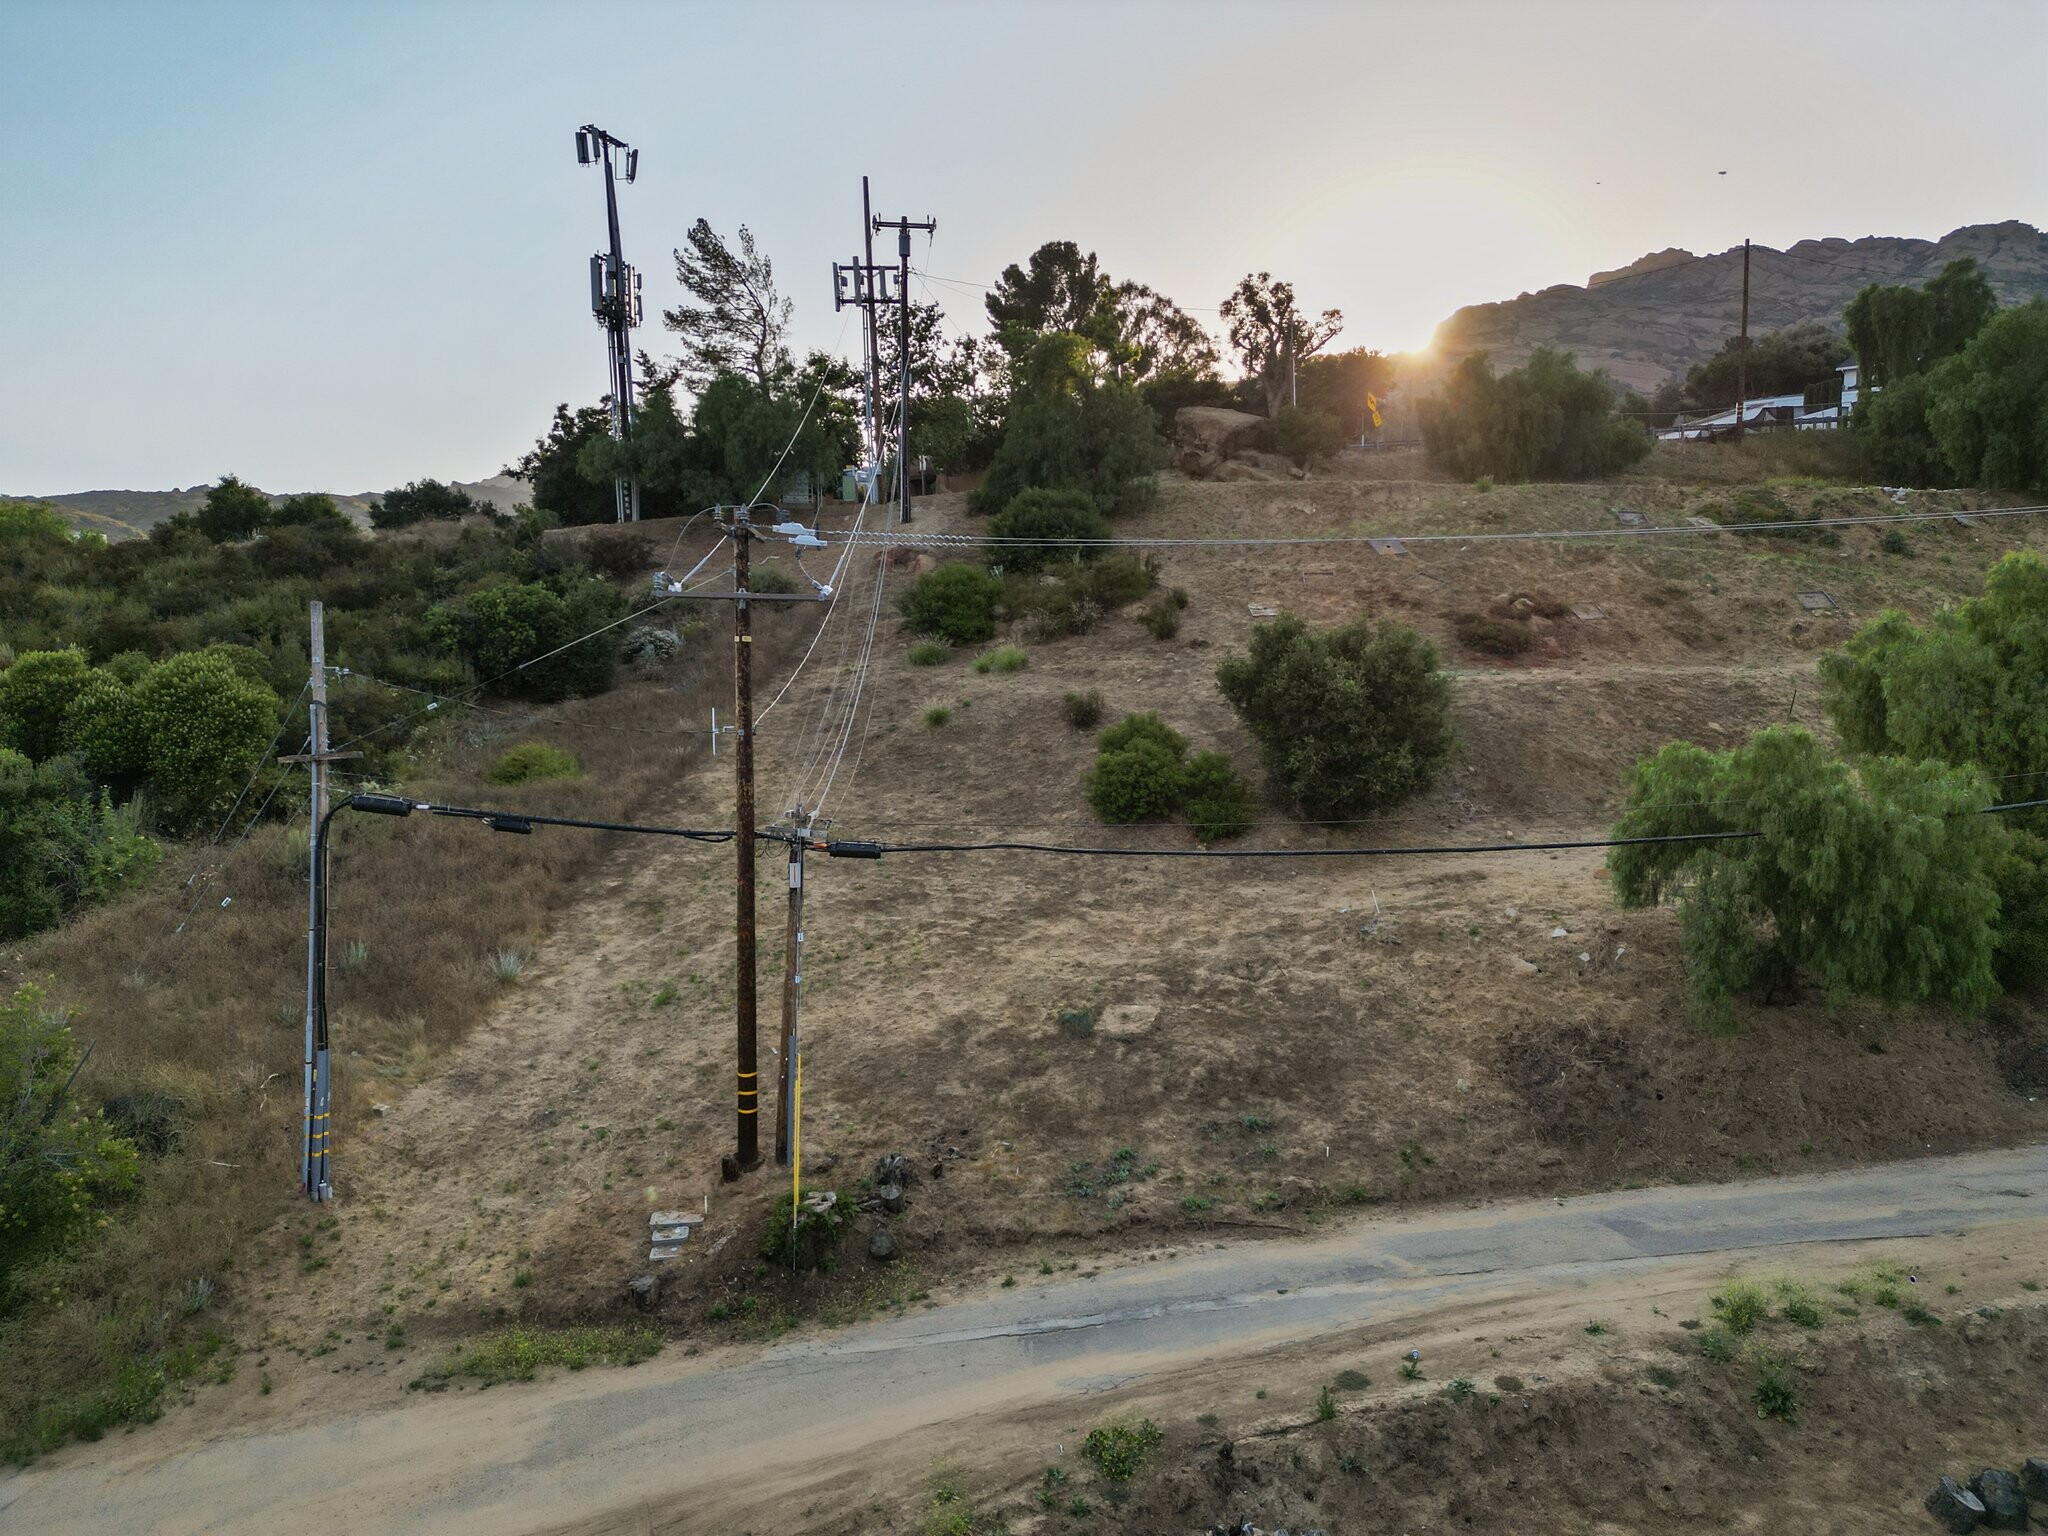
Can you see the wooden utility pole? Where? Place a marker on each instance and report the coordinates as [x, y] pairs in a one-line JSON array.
[[313, 1159], [748, 1152], [1742, 352], [903, 227], [792, 999]]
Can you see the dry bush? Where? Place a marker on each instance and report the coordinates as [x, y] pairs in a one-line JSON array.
[[193, 996]]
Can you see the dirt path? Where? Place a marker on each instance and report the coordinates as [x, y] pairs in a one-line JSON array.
[[689, 1444]]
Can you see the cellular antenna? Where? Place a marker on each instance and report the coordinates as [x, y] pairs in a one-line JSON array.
[[615, 295]]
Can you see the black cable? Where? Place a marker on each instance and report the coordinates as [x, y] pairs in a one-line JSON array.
[[520, 821]]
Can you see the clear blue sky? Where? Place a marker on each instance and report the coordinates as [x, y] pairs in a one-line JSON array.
[[343, 245]]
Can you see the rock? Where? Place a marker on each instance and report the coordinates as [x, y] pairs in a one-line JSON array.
[[1237, 470], [2034, 1477], [2005, 1507], [1955, 1506], [1520, 966], [882, 1248], [826, 1163], [1277, 465], [1204, 436], [644, 1291], [891, 1196], [893, 1168], [1122, 1020]]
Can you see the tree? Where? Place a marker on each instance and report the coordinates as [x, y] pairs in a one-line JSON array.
[[528, 638], [1542, 421], [1345, 385], [1271, 336], [58, 1159], [953, 414], [1899, 331], [738, 323], [1155, 338], [801, 418], [1044, 514], [1782, 363], [1879, 882], [203, 726], [553, 467], [1351, 721], [232, 511], [62, 846], [1058, 290], [421, 501], [34, 693], [1070, 426], [1307, 436], [1988, 411]]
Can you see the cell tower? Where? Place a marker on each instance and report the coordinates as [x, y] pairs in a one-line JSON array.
[[615, 294]]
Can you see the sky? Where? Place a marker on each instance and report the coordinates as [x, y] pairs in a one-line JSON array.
[[344, 245]]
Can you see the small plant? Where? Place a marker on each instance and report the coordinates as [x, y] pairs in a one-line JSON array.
[[522, 1279], [930, 653], [1326, 1405], [2030, 1285], [1009, 1282], [1079, 1507], [1742, 1306], [1253, 1124], [1460, 1388], [1894, 543], [1206, 1420], [1776, 1395], [806, 1236], [1119, 1450], [354, 955], [1083, 709], [1161, 616], [664, 995], [1411, 1370], [1919, 1316], [1483, 484], [506, 965], [937, 716], [1663, 1377], [1350, 1465], [531, 761], [1717, 1345], [1004, 658], [1077, 1022], [1596, 1328], [1195, 1203], [1045, 1266]]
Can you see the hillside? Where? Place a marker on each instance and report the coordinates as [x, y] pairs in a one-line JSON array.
[[1660, 314], [129, 514]]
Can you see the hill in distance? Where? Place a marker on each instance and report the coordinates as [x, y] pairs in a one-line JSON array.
[[130, 514], [1662, 313]]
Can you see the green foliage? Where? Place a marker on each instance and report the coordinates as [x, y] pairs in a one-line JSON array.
[[1781, 363], [937, 715], [1142, 772], [532, 760], [232, 511], [1742, 1306], [1717, 1345], [518, 1353], [1120, 1450], [1004, 658], [308, 509], [1326, 1405], [1897, 441], [1880, 883], [1139, 782], [1776, 1394], [1542, 421], [1072, 426], [422, 501], [1898, 331], [1894, 543], [955, 603], [1351, 720], [553, 466], [1989, 410], [1045, 514], [502, 632], [59, 1162], [1218, 799], [1492, 636], [1146, 727], [202, 725], [30, 522], [62, 846], [1161, 617], [1338, 384], [1272, 335], [930, 653], [34, 694], [812, 1240], [1307, 436], [1083, 709]]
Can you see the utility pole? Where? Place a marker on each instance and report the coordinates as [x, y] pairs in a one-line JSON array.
[[862, 283], [748, 1154], [615, 299], [903, 227], [867, 236], [1742, 351], [792, 995]]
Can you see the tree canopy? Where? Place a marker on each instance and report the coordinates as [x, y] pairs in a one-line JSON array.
[[1072, 426], [735, 320], [1058, 289], [422, 501], [1542, 421], [1272, 336], [1783, 362], [233, 511], [1898, 331]]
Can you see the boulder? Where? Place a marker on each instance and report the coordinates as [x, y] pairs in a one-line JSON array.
[[894, 1168], [1237, 469], [2034, 1478], [2005, 1507], [882, 1248], [1955, 1506], [644, 1291], [1204, 436], [1277, 465]]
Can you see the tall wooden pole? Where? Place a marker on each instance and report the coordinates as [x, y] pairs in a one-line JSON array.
[[1742, 351], [748, 1152], [792, 999], [313, 1159]]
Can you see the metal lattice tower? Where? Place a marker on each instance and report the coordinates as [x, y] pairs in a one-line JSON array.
[[615, 294]]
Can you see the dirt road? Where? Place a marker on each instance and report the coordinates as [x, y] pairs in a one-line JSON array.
[[681, 1442]]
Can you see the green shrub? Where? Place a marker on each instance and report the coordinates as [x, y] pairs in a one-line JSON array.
[[1307, 436], [1717, 1345], [525, 637], [59, 1161], [1004, 658], [1543, 421], [203, 726], [1491, 636], [1776, 1395], [955, 603], [34, 694], [1162, 617], [532, 760], [771, 579], [810, 1242], [1045, 514], [1894, 543], [1145, 727], [1070, 425], [1115, 579], [1120, 1450], [1350, 721], [62, 846], [1138, 782], [1326, 1405], [1083, 709], [937, 715], [1219, 800], [1742, 1306], [929, 653]]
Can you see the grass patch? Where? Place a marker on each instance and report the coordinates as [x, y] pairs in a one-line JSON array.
[[530, 761], [518, 1354], [1004, 658], [930, 653], [1742, 1306], [1119, 1450], [1919, 1316], [1083, 709], [937, 716], [1717, 1345]]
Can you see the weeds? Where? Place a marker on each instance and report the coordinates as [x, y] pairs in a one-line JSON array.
[[1004, 658], [507, 964], [930, 653], [1411, 1370], [1459, 1388], [1083, 709], [1326, 1405], [1717, 1345], [937, 715], [1119, 1450], [1776, 1395], [1919, 1316], [1742, 1306], [518, 1353]]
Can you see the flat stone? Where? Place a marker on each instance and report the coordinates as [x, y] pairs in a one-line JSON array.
[[1703, 522], [1124, 1020], [1262, 610], [1522, 967], [2005, 1507]]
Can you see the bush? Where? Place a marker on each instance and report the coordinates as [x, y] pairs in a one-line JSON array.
[[812, 1240], [58, 1160], [772, 579], [1307, 436], [1776, 1395], [1083, 710], [532, 760], [1146, 727], [1542, 421], [526, 637], [201, 726], [1350, 721], [1491, 636], [1219, 801], [421, 500], [937, 715], [62, 846], [929, 653], [1894, 543], [1119, 1450], [1045, 514], [955, 603], [1162, 617], [34, 694], [619, 558], [1138, 782], [1004, 658]]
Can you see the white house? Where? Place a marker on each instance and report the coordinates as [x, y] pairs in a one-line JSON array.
[[1819, 407]]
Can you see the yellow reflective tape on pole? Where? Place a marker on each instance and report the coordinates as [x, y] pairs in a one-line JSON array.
[[796, 1141]]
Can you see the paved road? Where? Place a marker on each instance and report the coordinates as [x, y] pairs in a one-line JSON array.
[[525, 1459]]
